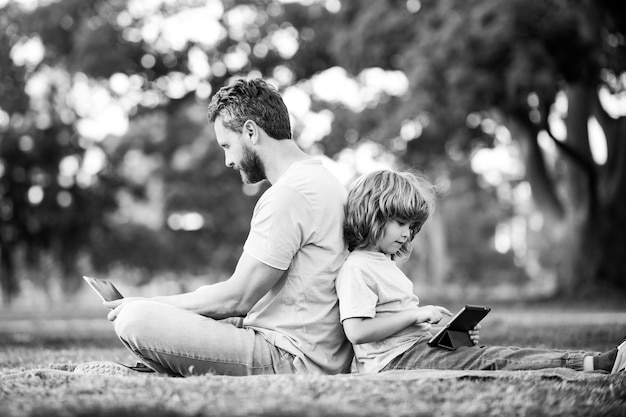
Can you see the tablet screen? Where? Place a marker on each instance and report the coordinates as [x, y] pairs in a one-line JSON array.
[[105, 289], [468, 318]]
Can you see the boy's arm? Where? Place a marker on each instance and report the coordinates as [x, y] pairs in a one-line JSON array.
[[367, 330]]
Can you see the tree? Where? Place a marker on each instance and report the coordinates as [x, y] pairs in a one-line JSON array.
[[43, 208], [156, 197], [481, 60], [159, 198]]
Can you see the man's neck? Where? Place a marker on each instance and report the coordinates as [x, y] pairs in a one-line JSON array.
[[279, 156]]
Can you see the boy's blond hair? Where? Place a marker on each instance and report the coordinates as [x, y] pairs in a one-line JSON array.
[[382, 196]]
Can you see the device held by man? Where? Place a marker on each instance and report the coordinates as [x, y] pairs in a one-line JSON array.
[[104, 289]]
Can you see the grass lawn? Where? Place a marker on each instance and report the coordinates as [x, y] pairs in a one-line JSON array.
[[34, 342]]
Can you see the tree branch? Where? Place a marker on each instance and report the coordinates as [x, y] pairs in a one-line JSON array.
[[578, 113], [542, 184], [615, 133], [585, 163]]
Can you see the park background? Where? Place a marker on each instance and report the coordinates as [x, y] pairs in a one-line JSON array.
[[516, 112], [515, 109]]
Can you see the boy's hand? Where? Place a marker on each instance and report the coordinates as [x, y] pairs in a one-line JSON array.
[[431, 314], [474, 334]]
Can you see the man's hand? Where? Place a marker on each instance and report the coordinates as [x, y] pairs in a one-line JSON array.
[[117, 305], [431, 314], [474, 334]]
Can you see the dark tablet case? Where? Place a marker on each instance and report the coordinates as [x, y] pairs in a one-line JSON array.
[[455, 333]]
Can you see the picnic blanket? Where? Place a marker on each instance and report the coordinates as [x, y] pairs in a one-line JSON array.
[[561, 374]]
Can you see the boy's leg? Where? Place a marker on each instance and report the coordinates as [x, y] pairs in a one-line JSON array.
[[422, 356], [178, 342]]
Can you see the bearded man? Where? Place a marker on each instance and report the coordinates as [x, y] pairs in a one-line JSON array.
[[278, 312]]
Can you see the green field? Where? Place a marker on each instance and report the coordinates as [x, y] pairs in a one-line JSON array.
[[30, 344]]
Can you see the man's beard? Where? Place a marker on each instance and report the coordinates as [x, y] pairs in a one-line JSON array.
[[251, 167]]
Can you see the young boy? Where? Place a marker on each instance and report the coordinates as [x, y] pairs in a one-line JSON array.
[[381, 315]]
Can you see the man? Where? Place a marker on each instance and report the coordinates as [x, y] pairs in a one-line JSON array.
[[284, 283]]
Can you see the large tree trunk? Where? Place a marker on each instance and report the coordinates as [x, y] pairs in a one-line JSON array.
[[579, 254], [579, 242], [611, 262], [594, 252], [584, 204], [593, 249], [611, 220]]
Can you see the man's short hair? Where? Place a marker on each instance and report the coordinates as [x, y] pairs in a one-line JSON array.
[[251, 100]]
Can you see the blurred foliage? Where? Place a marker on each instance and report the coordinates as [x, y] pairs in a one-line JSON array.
[[472, 67], [475, 67]]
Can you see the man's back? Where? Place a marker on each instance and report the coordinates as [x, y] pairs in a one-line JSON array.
[[297, 225]]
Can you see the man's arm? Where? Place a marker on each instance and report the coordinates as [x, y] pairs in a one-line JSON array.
[[367, 330], [251, 280]]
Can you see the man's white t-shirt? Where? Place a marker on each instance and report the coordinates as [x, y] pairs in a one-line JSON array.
[[371, 285], [297, 227]]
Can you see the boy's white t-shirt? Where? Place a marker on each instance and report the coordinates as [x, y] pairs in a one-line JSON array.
[[297, 227], [370, 284]]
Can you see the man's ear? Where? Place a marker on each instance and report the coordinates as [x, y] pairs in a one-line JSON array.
[[251, 130]]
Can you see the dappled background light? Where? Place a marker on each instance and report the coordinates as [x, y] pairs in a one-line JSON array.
[[108, 164]]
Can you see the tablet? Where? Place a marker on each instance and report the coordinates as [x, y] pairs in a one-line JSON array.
[[104, 289], [455, 332]]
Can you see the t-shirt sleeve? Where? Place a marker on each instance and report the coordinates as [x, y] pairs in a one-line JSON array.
[[356, 297], [276, 230]]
